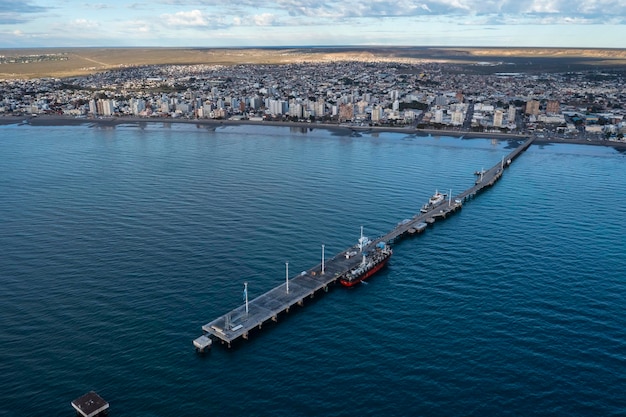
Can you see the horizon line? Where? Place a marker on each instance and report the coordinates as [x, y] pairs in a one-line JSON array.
[[356, 46]]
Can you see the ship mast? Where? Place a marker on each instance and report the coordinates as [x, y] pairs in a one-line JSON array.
[[361, 241]]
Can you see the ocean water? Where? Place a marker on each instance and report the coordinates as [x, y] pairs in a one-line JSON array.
[[119, 244]]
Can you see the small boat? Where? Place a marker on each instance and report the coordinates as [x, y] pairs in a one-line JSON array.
[[436, 198]]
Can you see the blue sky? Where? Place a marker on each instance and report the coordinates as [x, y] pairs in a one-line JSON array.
[[220, 23]]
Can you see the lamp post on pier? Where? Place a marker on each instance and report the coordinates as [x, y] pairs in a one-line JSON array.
[[322, 259], [287, 276]]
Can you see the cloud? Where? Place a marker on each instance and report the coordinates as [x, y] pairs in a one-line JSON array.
[[186, 19], [85, 24], [16, 12], [317, 21], [197, 19], [140, 26], [265, 19], [19, 6], [137, 6], [543, 6], [347, 9], [325, 11], [20, 36], [8, 18], [97, 6]]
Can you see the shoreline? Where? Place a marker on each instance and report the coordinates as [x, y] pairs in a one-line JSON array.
[[48, 120]]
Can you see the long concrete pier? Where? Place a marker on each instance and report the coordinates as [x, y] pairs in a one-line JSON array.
[[238, 323]]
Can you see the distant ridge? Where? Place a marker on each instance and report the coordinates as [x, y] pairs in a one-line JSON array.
[[82, 61]]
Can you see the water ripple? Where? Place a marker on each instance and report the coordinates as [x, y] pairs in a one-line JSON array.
[[119, 244]]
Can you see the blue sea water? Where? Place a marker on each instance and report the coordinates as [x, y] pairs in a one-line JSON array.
[[119, 244]]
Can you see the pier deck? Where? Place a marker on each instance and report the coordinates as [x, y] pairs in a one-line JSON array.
[[239, 322], [454, 203]]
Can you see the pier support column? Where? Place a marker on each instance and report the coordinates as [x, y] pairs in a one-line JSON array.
[[275, 319]]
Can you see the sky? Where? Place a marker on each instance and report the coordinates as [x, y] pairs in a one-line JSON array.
[[244, 23]]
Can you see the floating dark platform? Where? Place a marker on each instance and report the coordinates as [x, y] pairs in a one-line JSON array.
[[90, 405]]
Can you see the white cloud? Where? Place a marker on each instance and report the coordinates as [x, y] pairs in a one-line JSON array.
[[21, 36], [459, 4], [134, 26], [331, 21], [85, 24], [191, 18], [265, 19], [99, 6], [334, 10], [543, 6]]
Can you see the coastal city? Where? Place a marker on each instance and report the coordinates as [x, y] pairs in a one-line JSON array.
[[337, 208], [584, 105]]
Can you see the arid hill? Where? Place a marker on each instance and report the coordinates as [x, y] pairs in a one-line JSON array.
[[66, 62]]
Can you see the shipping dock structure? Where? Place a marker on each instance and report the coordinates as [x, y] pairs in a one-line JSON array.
[[252, 314]]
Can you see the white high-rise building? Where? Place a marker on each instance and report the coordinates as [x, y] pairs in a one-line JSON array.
[[438, 116], [105, 107], [511, 114], [93, 108], [457, 117], [497, 118], [207, 108], [295, 110], [320, 108], [361, 105], [137, 105], [277, 107], [377, 113]]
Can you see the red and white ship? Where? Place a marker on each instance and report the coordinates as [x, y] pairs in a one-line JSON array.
[[372, 262]]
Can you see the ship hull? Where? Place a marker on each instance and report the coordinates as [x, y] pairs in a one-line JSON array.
[[365, 275]]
